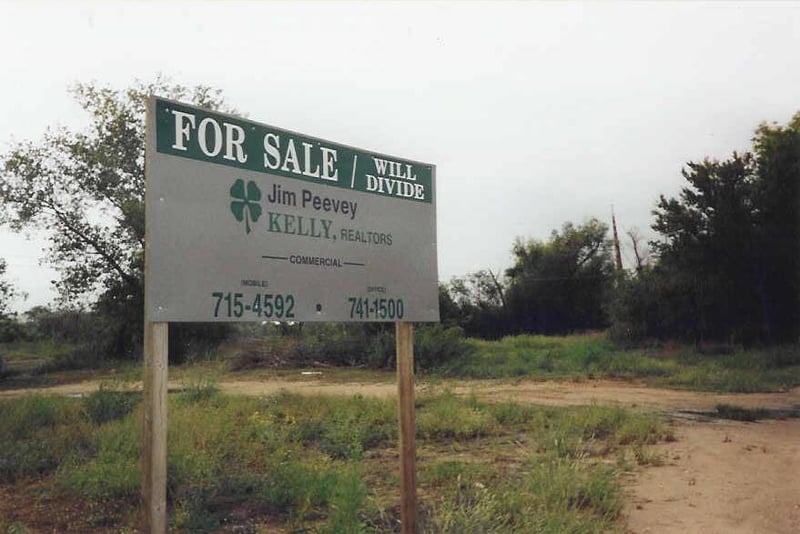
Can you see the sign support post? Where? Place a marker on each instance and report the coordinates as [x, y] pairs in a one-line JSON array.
[[404, 338], [154, 452]]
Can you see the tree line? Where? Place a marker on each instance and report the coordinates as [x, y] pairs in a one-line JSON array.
[[725, 266]]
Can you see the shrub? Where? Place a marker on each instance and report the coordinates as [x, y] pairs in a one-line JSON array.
[[107, 404], [435, 345]]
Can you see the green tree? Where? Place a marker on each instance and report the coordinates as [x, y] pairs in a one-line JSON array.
[[6, 290], [9, 327], [708, 245], [728, 261], [480, 304], [560, 285], [87, 189], [777, 232]]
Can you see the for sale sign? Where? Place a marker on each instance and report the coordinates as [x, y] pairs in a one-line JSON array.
[[248, 222]]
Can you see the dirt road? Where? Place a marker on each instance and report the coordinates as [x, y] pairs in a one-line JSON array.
[[566, 393], [718, 477]]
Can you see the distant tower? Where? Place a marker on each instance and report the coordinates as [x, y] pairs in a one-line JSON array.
[[617, 254]]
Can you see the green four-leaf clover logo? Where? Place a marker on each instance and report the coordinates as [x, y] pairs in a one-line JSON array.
[[245, 205]]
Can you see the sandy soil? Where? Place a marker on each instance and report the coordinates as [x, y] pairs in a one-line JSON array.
[[722, 478], [621, 393], [718, 477]]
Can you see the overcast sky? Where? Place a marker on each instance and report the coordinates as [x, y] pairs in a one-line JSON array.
[[534, 113]]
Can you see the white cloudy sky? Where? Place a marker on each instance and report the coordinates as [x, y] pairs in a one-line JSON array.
[[534, 113]]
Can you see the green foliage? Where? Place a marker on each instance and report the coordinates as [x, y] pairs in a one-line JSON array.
[[20, 419], [594, 355], [527, 355], [6, 290], [109, 404], [560, 286], [111, 469], [341, 427], [435, 345], [449, 417], [554, 287], [199, 389], [728, 263], [10, 329], [350, 344], [556, 489], [346, 502], [55, 182], [301, 463], [190, 341], [738, 413], [476, 303], [37, 433]]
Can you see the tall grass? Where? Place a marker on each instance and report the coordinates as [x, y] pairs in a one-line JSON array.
[[317, 463], [593, 355], [555, 486]]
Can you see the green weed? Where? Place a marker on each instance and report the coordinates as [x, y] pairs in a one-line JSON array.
[[37, 432], [109, 404], [593, 355], [199, 389], [738, 413], [449, 417], [309, 463]]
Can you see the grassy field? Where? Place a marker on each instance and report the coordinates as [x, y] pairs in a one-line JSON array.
[[318, 464], [329, 464], [525, 356], [594, 356]]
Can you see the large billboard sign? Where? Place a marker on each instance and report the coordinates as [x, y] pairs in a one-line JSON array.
[[248, 222]]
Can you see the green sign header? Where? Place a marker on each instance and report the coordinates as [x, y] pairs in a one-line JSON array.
[[198, 134]]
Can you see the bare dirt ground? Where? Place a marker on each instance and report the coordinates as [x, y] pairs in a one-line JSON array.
[[718, 477], [722, 477]]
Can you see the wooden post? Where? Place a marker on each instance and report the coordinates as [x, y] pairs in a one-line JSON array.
[[408, 450], [154, 447]]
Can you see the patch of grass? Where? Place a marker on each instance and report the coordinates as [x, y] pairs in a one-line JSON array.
[[739, 413], [593, 355], [110, 403], [446, 472], [646, 457], [449, 417], [14, 528], [586, 431], [322, 463], [529, 355], [37, 433], [549, 495], [199, 389]]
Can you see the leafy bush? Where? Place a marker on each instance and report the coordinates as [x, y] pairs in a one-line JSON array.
[[37, 433], [199, 390], [346, 344], [188, 340], [108, 404], [435, 345]]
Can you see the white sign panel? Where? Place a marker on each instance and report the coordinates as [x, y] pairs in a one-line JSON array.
[[247, 222]]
